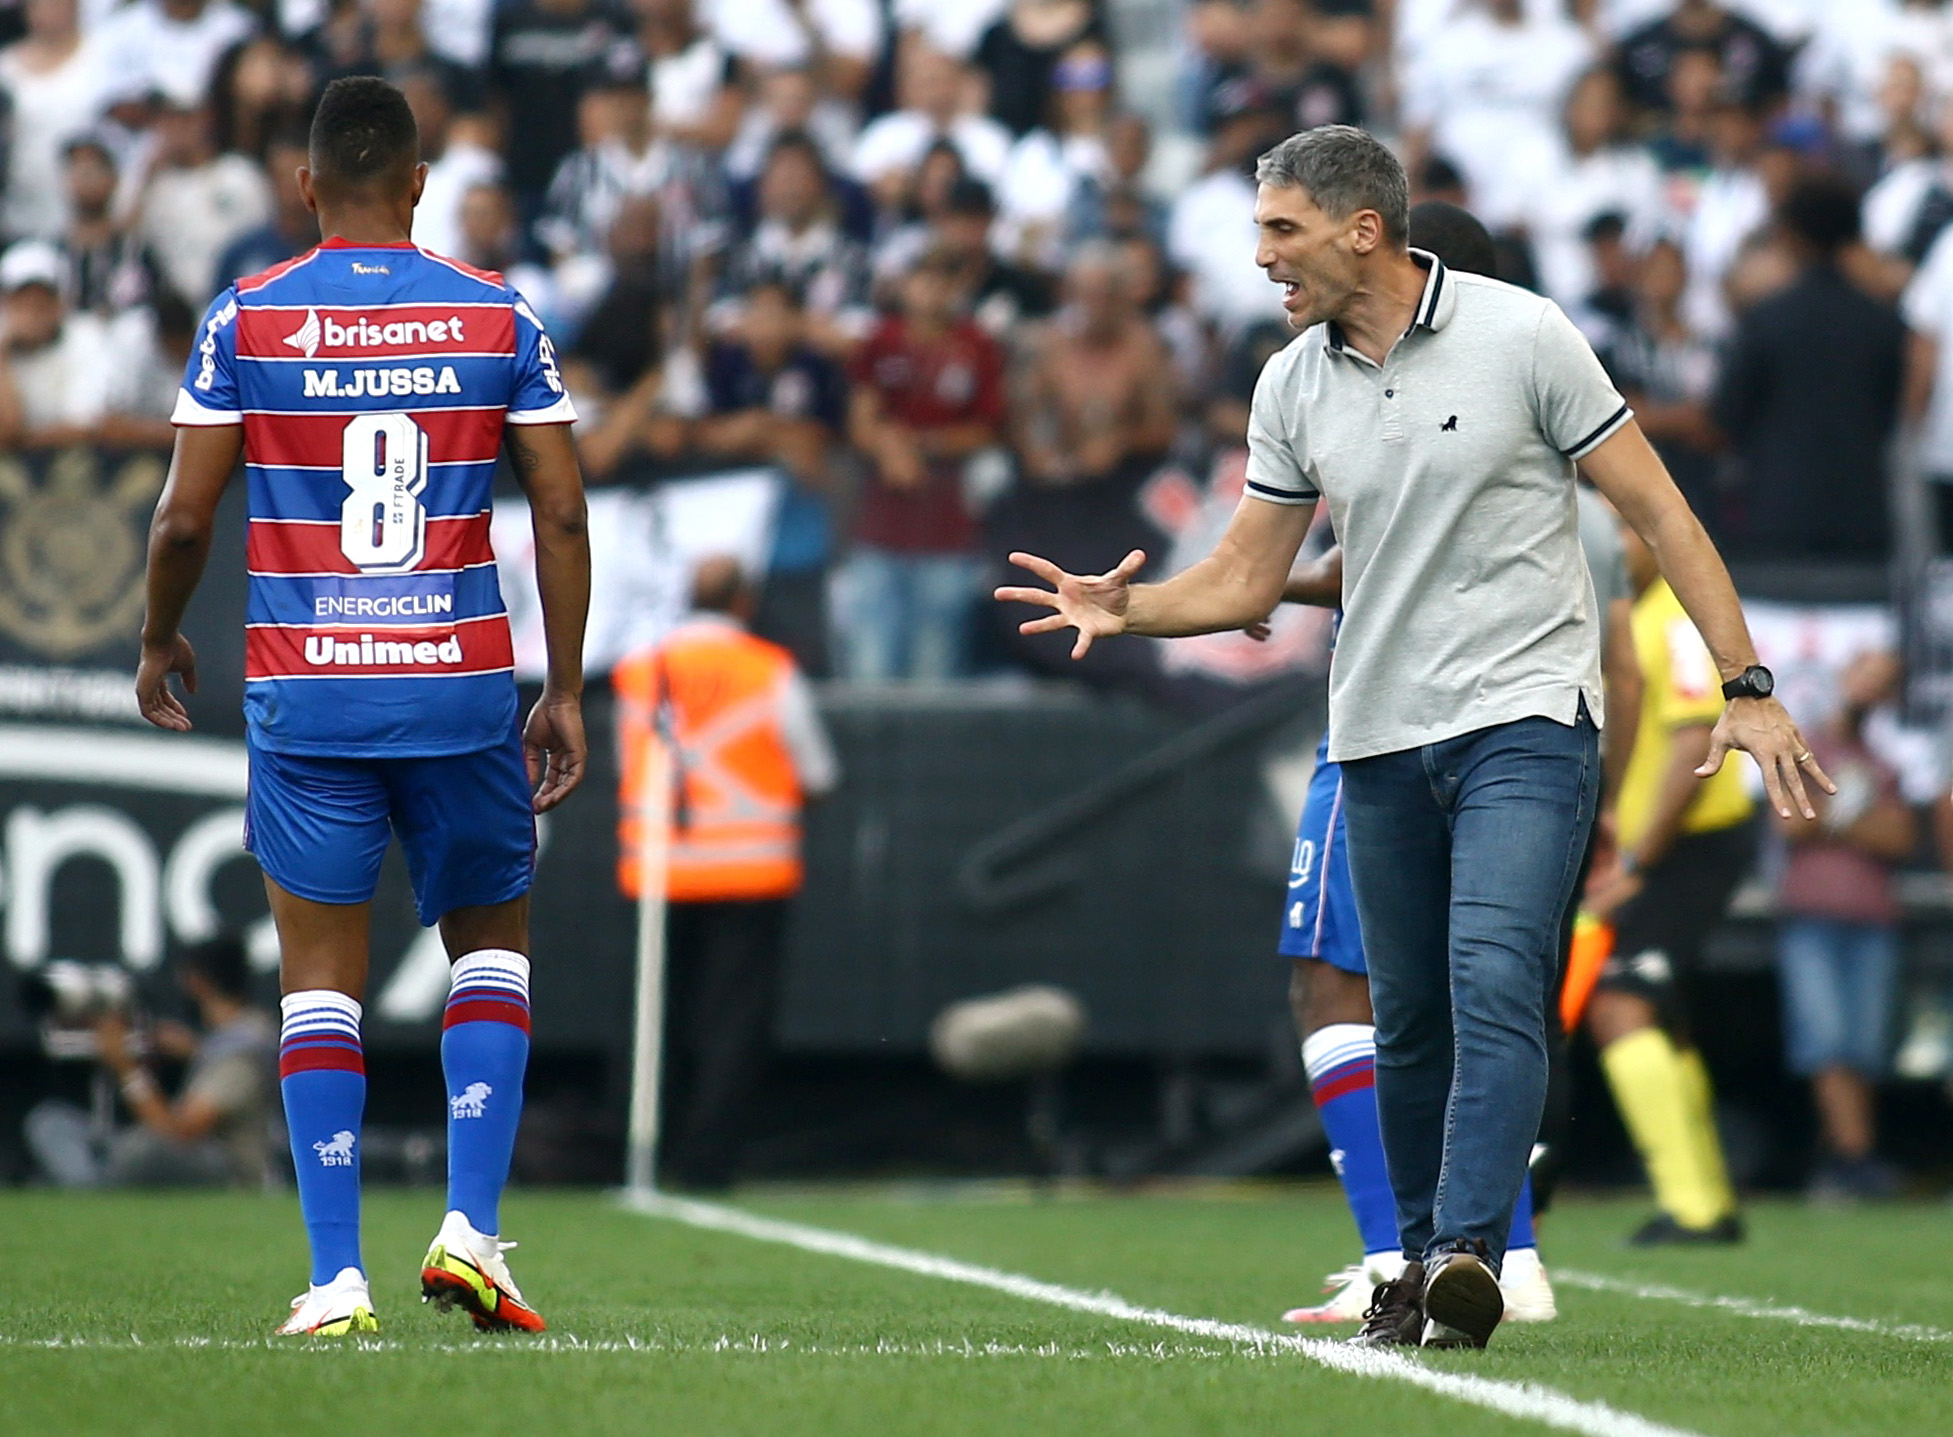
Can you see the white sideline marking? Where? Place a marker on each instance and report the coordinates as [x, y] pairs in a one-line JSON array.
[[1524, 1400], [1750, 1307], [755, 1343]]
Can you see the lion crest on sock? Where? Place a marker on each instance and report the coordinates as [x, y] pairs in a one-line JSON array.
[[471, 1101], [338, 1153]]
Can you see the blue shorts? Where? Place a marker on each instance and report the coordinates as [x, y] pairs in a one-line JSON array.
[[319, 826], [1319, 917]]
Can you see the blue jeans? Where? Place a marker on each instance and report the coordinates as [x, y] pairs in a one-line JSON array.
[[1464, 855], [903, 616], [1838, 984]]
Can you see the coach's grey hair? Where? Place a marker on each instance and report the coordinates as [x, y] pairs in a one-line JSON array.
[[1343, 169]]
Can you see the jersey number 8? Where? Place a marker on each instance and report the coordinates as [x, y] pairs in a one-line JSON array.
[[383, 524]]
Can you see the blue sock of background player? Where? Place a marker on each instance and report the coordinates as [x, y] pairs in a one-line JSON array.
[[1341, 1063]]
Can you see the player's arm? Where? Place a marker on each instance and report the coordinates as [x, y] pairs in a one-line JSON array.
[[1627, 471], [1620, 676], [544, 456], [1317, 583], [1237, 585], [179, 544]]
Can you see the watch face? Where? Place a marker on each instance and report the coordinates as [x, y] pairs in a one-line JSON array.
[[1761, 681]]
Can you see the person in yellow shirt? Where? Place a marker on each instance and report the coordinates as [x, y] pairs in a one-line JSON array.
[[1681, 845]]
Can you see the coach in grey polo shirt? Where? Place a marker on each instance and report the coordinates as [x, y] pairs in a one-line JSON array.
[[1441, 416], [1467, 605]]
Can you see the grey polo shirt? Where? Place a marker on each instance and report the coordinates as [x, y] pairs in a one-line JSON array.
[[1449, 475]]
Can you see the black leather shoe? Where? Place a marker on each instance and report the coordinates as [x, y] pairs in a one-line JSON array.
[[1395, 1316], [1462, 1301]]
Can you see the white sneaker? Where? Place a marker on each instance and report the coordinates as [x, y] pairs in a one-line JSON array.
[[1528, 1295], [342, 1307], [464, 1268], [1350, 1290]]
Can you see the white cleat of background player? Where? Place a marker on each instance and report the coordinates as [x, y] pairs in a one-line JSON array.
[[1527, 1291]]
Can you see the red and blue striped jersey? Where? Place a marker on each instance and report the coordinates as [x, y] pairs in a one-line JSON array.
[[373, 383]]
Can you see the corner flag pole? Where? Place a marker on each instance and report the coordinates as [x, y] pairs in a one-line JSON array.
[[648, 1035]]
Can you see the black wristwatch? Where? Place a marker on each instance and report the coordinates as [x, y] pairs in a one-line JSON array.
[[1754, 682]]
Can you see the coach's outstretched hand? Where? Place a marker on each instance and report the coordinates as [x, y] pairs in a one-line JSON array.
[[153, 696], [553, 746], [1094, 604], [1763, 730]]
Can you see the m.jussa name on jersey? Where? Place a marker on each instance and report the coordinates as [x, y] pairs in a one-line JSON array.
[[380, 383]]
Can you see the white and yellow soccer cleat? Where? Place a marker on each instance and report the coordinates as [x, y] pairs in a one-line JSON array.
[[341, 1308], [465, 1269], [1350, 1290], [1523, 1283]]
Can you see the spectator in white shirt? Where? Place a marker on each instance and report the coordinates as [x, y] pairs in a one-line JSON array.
[[1210, 232], [1731, 205], [54, 81], [460, 154], [1050, 165], [1845, 66], [152, 347], [54, 366], [951, 26], [695, 99], [196, 202], [840, 39], [1927, 309], [1596, 171], [1487, 92], [168, 47], [789, 99], [1906, 210], [937, 97]]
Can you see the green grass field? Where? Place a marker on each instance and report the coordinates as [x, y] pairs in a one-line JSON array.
[[126, 1314]]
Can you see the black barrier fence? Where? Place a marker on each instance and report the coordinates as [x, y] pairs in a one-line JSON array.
[[982, 837], [977, 841]]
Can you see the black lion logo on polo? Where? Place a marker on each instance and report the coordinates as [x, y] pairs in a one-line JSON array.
[[72, 550]]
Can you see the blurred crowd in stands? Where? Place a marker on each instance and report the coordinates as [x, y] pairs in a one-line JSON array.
[[972, 272], [979, 274]]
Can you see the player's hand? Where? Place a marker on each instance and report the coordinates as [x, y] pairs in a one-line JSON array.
[[553, 747], [1093, 604], [1609, 889], [1764, 731], [153, 697]]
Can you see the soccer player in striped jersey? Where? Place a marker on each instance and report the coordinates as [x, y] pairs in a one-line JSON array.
[[370, 387]]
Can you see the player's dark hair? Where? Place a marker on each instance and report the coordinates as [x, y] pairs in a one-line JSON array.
[[363, 132], [220, 962], [1822, 211], [1455, 236]]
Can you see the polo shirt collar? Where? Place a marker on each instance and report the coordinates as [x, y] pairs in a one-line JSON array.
[[1434, 307]]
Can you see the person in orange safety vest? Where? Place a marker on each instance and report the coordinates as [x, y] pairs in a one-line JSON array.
[[747, 751]]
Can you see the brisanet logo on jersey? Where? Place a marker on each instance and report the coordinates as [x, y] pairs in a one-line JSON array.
[[316, 333]]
